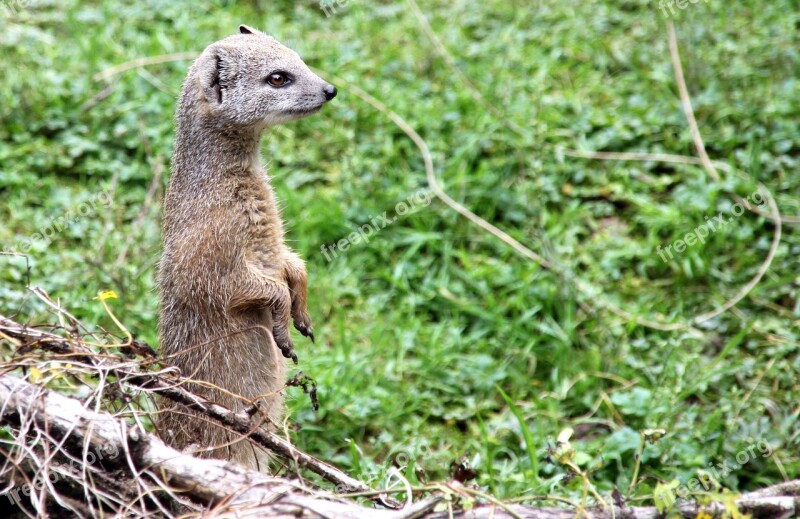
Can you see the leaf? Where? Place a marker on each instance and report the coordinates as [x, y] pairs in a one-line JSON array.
[[530, 445], [621, 442], [664, 495], [635, 402], [36, 374], [565, 435], [582, 459], [653, 435], [355, 455], [728, 500]]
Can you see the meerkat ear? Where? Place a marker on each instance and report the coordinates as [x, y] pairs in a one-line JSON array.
[[210, 76], [246, 29]]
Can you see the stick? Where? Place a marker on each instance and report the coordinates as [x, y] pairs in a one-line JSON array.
[[171, 387]]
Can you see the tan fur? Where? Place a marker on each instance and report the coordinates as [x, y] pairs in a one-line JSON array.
[[227, 281]]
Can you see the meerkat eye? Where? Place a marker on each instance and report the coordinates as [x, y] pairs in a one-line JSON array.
[[278, 79]]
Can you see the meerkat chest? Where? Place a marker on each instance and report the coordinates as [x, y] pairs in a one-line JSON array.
[[255, 199]]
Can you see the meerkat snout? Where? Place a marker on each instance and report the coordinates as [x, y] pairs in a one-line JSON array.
[[330, 91]]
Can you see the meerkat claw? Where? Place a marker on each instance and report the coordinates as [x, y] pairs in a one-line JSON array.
[[305, 330], [288, 351]]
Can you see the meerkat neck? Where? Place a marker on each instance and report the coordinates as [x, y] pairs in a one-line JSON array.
[[202, 150]]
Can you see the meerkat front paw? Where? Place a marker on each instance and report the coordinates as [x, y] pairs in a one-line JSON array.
[[287, 301], [297, 280], [279, 303]]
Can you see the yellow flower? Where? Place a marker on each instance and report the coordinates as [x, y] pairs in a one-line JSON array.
[[106, 294]]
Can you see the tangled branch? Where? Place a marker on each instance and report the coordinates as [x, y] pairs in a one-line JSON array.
[[75, 404]]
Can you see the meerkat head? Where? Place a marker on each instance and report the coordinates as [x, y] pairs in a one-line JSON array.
[[251, 80]]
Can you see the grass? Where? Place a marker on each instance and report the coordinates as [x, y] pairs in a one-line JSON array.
[[435, 339]]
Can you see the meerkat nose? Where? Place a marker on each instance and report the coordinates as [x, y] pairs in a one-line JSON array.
[[330, 91]]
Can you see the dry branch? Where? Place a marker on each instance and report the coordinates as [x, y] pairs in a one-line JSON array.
[[209, 482], [228, 488], [172, 386], [55, 460]]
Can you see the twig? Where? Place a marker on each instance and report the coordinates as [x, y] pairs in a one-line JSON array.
[[227, 488], [143, 62], [686, 103], [170, 386], [581, 285]]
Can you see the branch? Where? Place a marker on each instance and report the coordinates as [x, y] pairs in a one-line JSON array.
[[210, 482], [170, 386], [49, 429], [228, 487]]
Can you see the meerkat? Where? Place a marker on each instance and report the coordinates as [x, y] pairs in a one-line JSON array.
[[228, 284]]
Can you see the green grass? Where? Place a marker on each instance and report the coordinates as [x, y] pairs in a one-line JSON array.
[[424, 330]]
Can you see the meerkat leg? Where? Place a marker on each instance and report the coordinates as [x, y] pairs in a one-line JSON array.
[[298, 288], [284, 296]]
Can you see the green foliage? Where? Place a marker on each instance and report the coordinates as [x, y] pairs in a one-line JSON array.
[[419, 328]]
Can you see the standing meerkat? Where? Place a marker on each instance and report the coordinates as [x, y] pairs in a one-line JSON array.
[[228, 284]]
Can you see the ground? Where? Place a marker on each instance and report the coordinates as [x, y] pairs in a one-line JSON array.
[[435, 339]]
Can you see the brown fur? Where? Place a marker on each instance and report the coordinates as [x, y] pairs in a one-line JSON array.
[[227, 281]]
